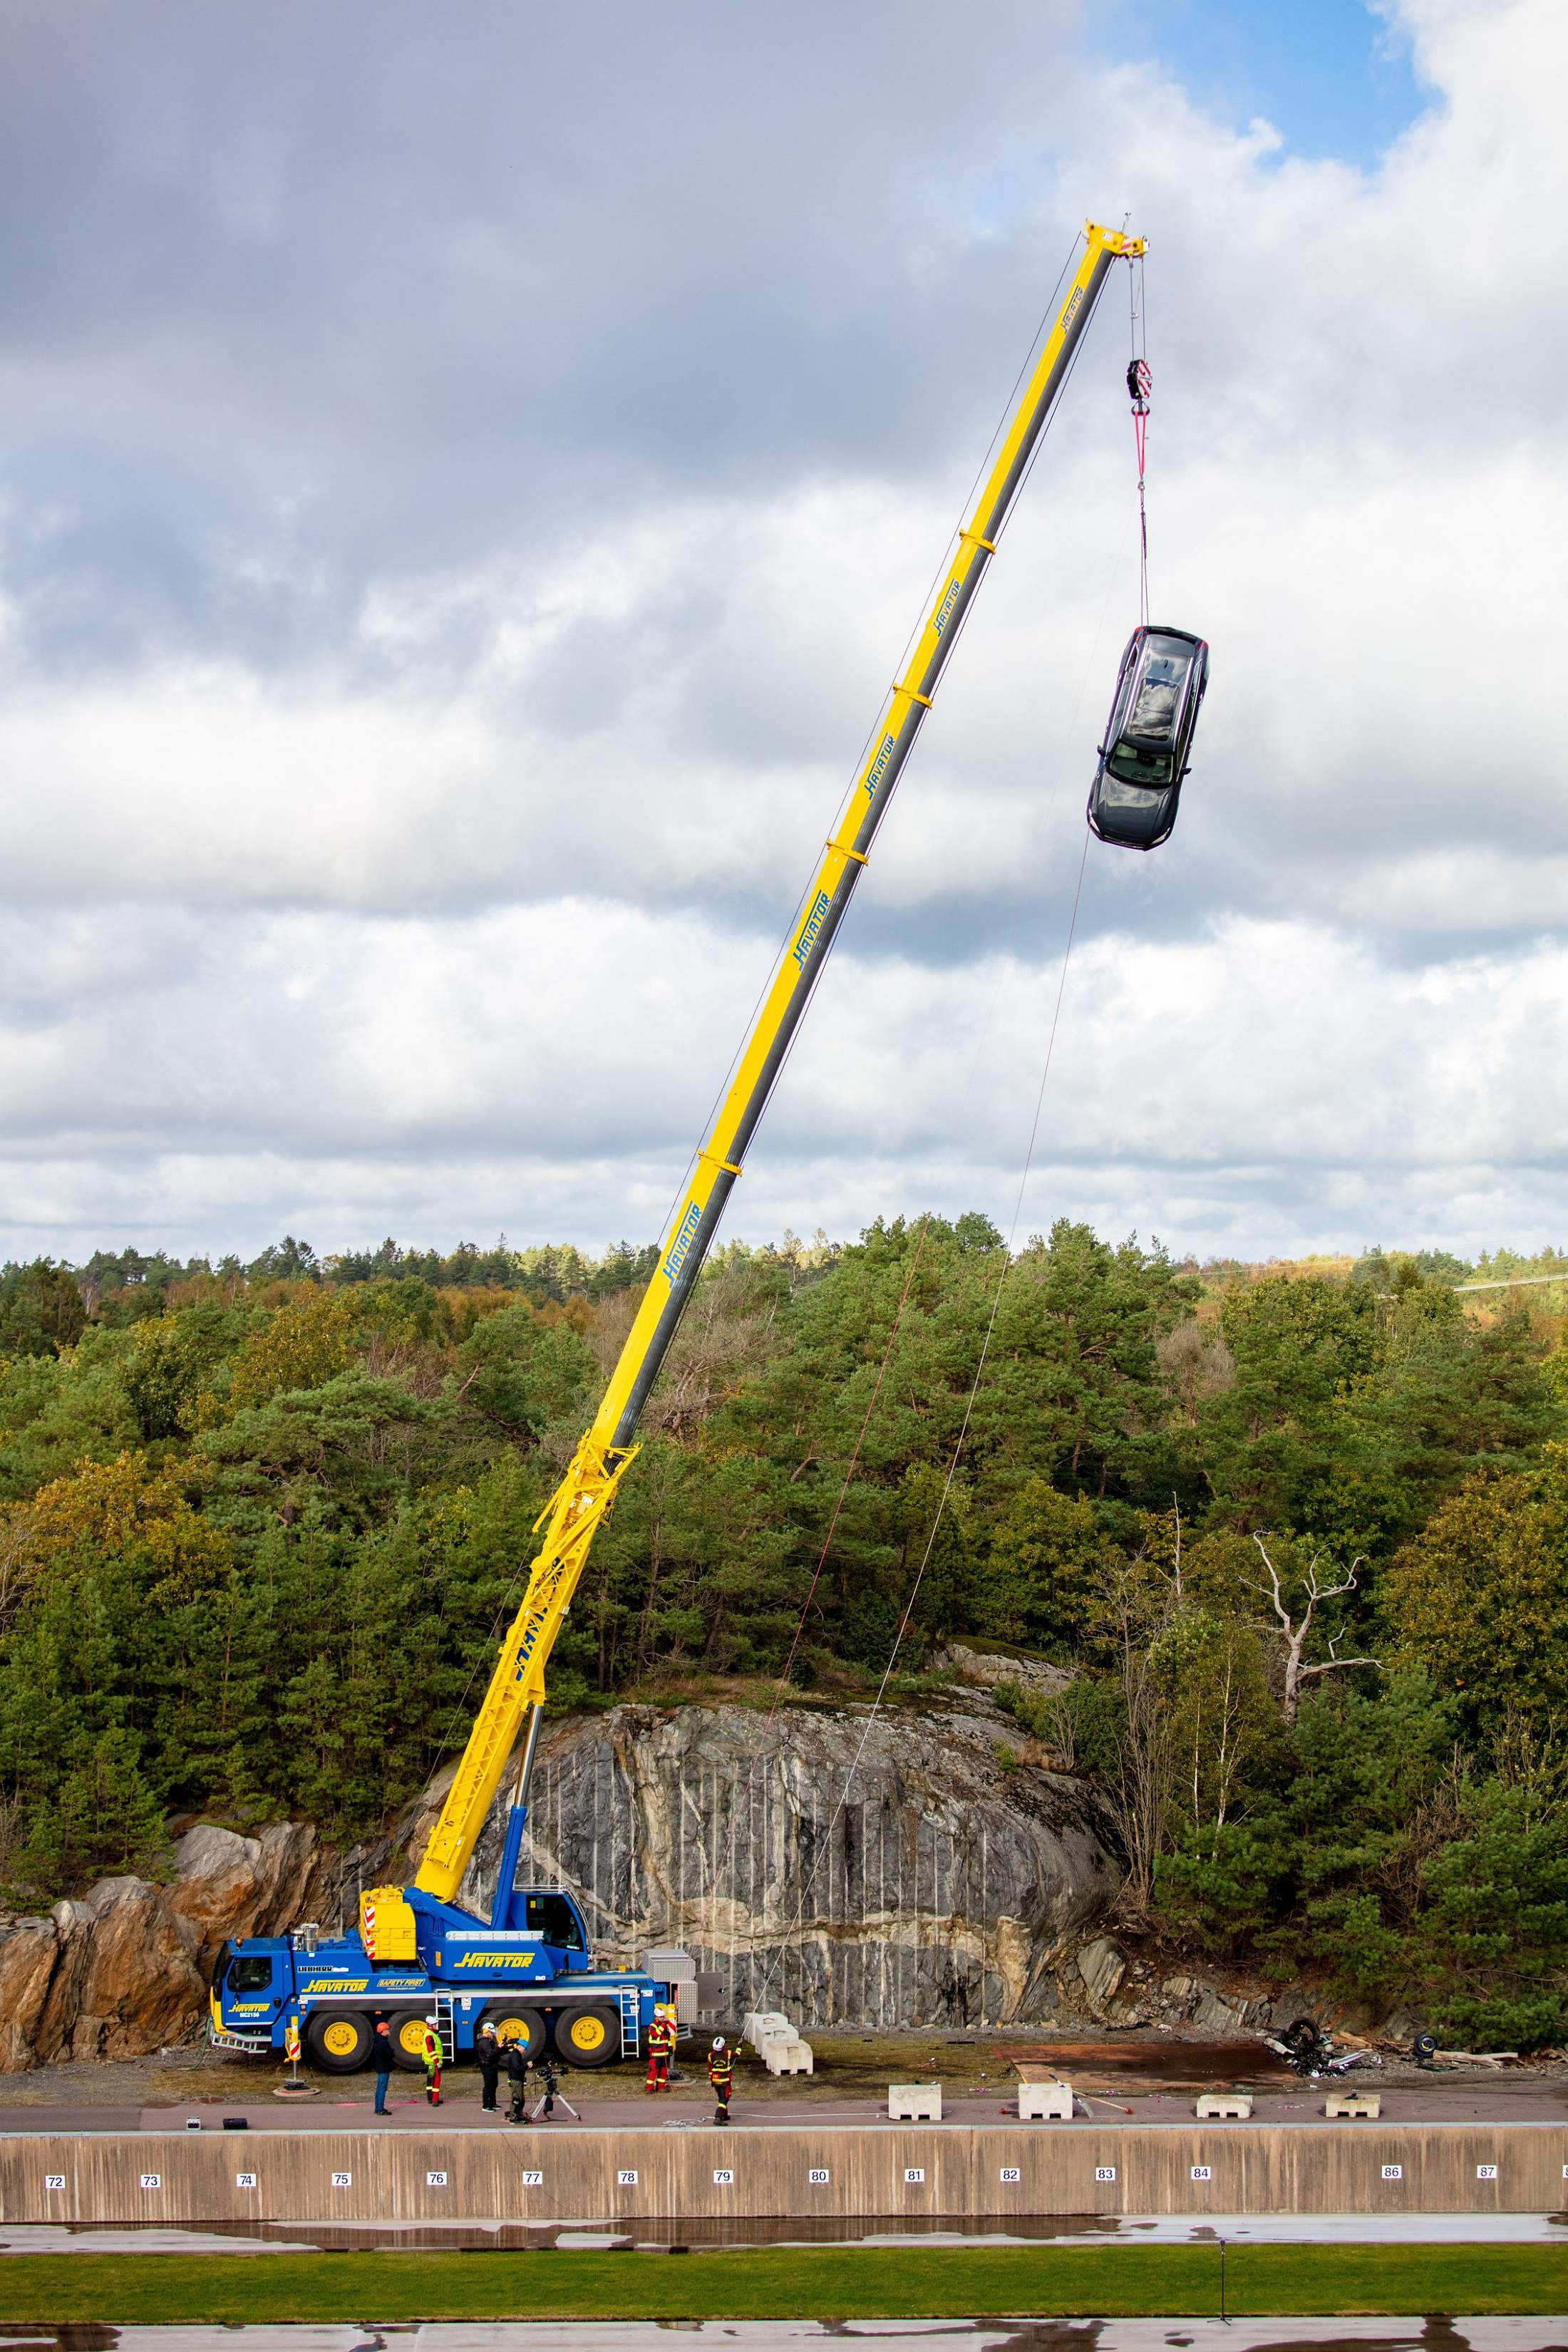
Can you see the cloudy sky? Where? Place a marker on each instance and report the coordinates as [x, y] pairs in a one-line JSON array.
[[467, 474]]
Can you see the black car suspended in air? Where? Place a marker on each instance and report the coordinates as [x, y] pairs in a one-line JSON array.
[[1159, 690]]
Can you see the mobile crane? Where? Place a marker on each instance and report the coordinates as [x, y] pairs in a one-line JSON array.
[[528, 1969]]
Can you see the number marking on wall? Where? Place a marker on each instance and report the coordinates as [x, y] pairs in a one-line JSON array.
[[913, 2175], [723, 2180], [343, 2180], [1202, 2172], [1486, 2172], [626, 2179], [435, 2180], [1108, 2172], [1010, 2173], [533, 2180], [244, 2181], [1393, 2172], [54, 2180], [818, 2175], [152, 2180]]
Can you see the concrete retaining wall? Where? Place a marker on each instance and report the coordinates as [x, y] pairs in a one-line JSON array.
[[624, 2177]]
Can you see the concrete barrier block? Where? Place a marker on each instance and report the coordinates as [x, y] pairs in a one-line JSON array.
[[1223, 2106], [914, 2103], [1349, 2104], [759, 2023], [1044, 2103], [786, 2053]]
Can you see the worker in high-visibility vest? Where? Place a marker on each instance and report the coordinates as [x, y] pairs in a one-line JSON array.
[[721, 2074], [431, 2053], [660, 2048]]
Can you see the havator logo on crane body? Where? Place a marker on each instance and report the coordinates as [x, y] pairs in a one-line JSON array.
[[945, 610], [685, 1235], [878, 767], [811, 927]]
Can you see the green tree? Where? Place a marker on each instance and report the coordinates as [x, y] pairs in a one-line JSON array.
[[41, 1309], [1479, 1599]]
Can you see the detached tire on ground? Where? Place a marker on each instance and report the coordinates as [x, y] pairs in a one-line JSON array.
[[407, 2027], [515, 2021], [589, 2035], [338, 2041]]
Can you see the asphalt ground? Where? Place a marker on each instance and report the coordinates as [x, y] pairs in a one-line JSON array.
[[1140, 2077], [1137, 2079]]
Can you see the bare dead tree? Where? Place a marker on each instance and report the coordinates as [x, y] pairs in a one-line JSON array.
[[1137, 1793], [1296, 1628]]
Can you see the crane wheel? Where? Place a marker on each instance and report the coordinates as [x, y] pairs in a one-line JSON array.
[[589, 2035], [407, 2027], [515, 2023], [338, 2041]]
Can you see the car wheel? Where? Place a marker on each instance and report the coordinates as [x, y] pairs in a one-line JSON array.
[[338, 2041], [514, 2023], [407, 2027], [589, 2035]]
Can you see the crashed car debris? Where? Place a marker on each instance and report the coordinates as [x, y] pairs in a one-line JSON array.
[[1148, 738]]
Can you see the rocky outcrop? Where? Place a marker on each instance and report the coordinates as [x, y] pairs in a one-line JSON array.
[[988, 1670], [888, 1869], [897, 1868], [124, 1970]]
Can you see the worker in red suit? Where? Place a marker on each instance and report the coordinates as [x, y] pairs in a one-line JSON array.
[[660, 2049], [721, 2074]]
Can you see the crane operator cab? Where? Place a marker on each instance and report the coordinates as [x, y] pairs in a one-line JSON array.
[[1148, 737]]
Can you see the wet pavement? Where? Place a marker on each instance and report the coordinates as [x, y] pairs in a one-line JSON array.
[[568, 2236], [1023, 2334]]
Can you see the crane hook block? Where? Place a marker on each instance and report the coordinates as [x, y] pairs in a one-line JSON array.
[[1139, 382]]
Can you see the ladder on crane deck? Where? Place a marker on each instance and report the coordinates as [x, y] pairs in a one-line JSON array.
[[631, 2022]]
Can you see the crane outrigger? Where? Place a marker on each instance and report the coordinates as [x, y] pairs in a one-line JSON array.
[[528, 1967]]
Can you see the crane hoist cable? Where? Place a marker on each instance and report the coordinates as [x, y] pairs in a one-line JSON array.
[[1138, 384], [824, 1843]]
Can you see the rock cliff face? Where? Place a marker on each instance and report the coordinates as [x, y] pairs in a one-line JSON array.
[[895, 1870], [125, 1968]]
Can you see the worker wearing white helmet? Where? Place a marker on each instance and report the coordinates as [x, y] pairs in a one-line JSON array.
[[721, 2074], [431, 2055]]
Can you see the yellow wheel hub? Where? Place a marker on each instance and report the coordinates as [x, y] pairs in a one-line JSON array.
[[341, 2039], [511, 2028], [586, 2033], [412, 2036]]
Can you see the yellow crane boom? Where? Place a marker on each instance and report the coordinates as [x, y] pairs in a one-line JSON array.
[[579, 1504]]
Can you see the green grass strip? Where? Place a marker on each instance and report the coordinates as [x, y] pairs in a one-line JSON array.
[[779, 2283]]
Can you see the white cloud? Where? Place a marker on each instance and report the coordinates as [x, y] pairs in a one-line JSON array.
[[418, 876], [1269, 1085]]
